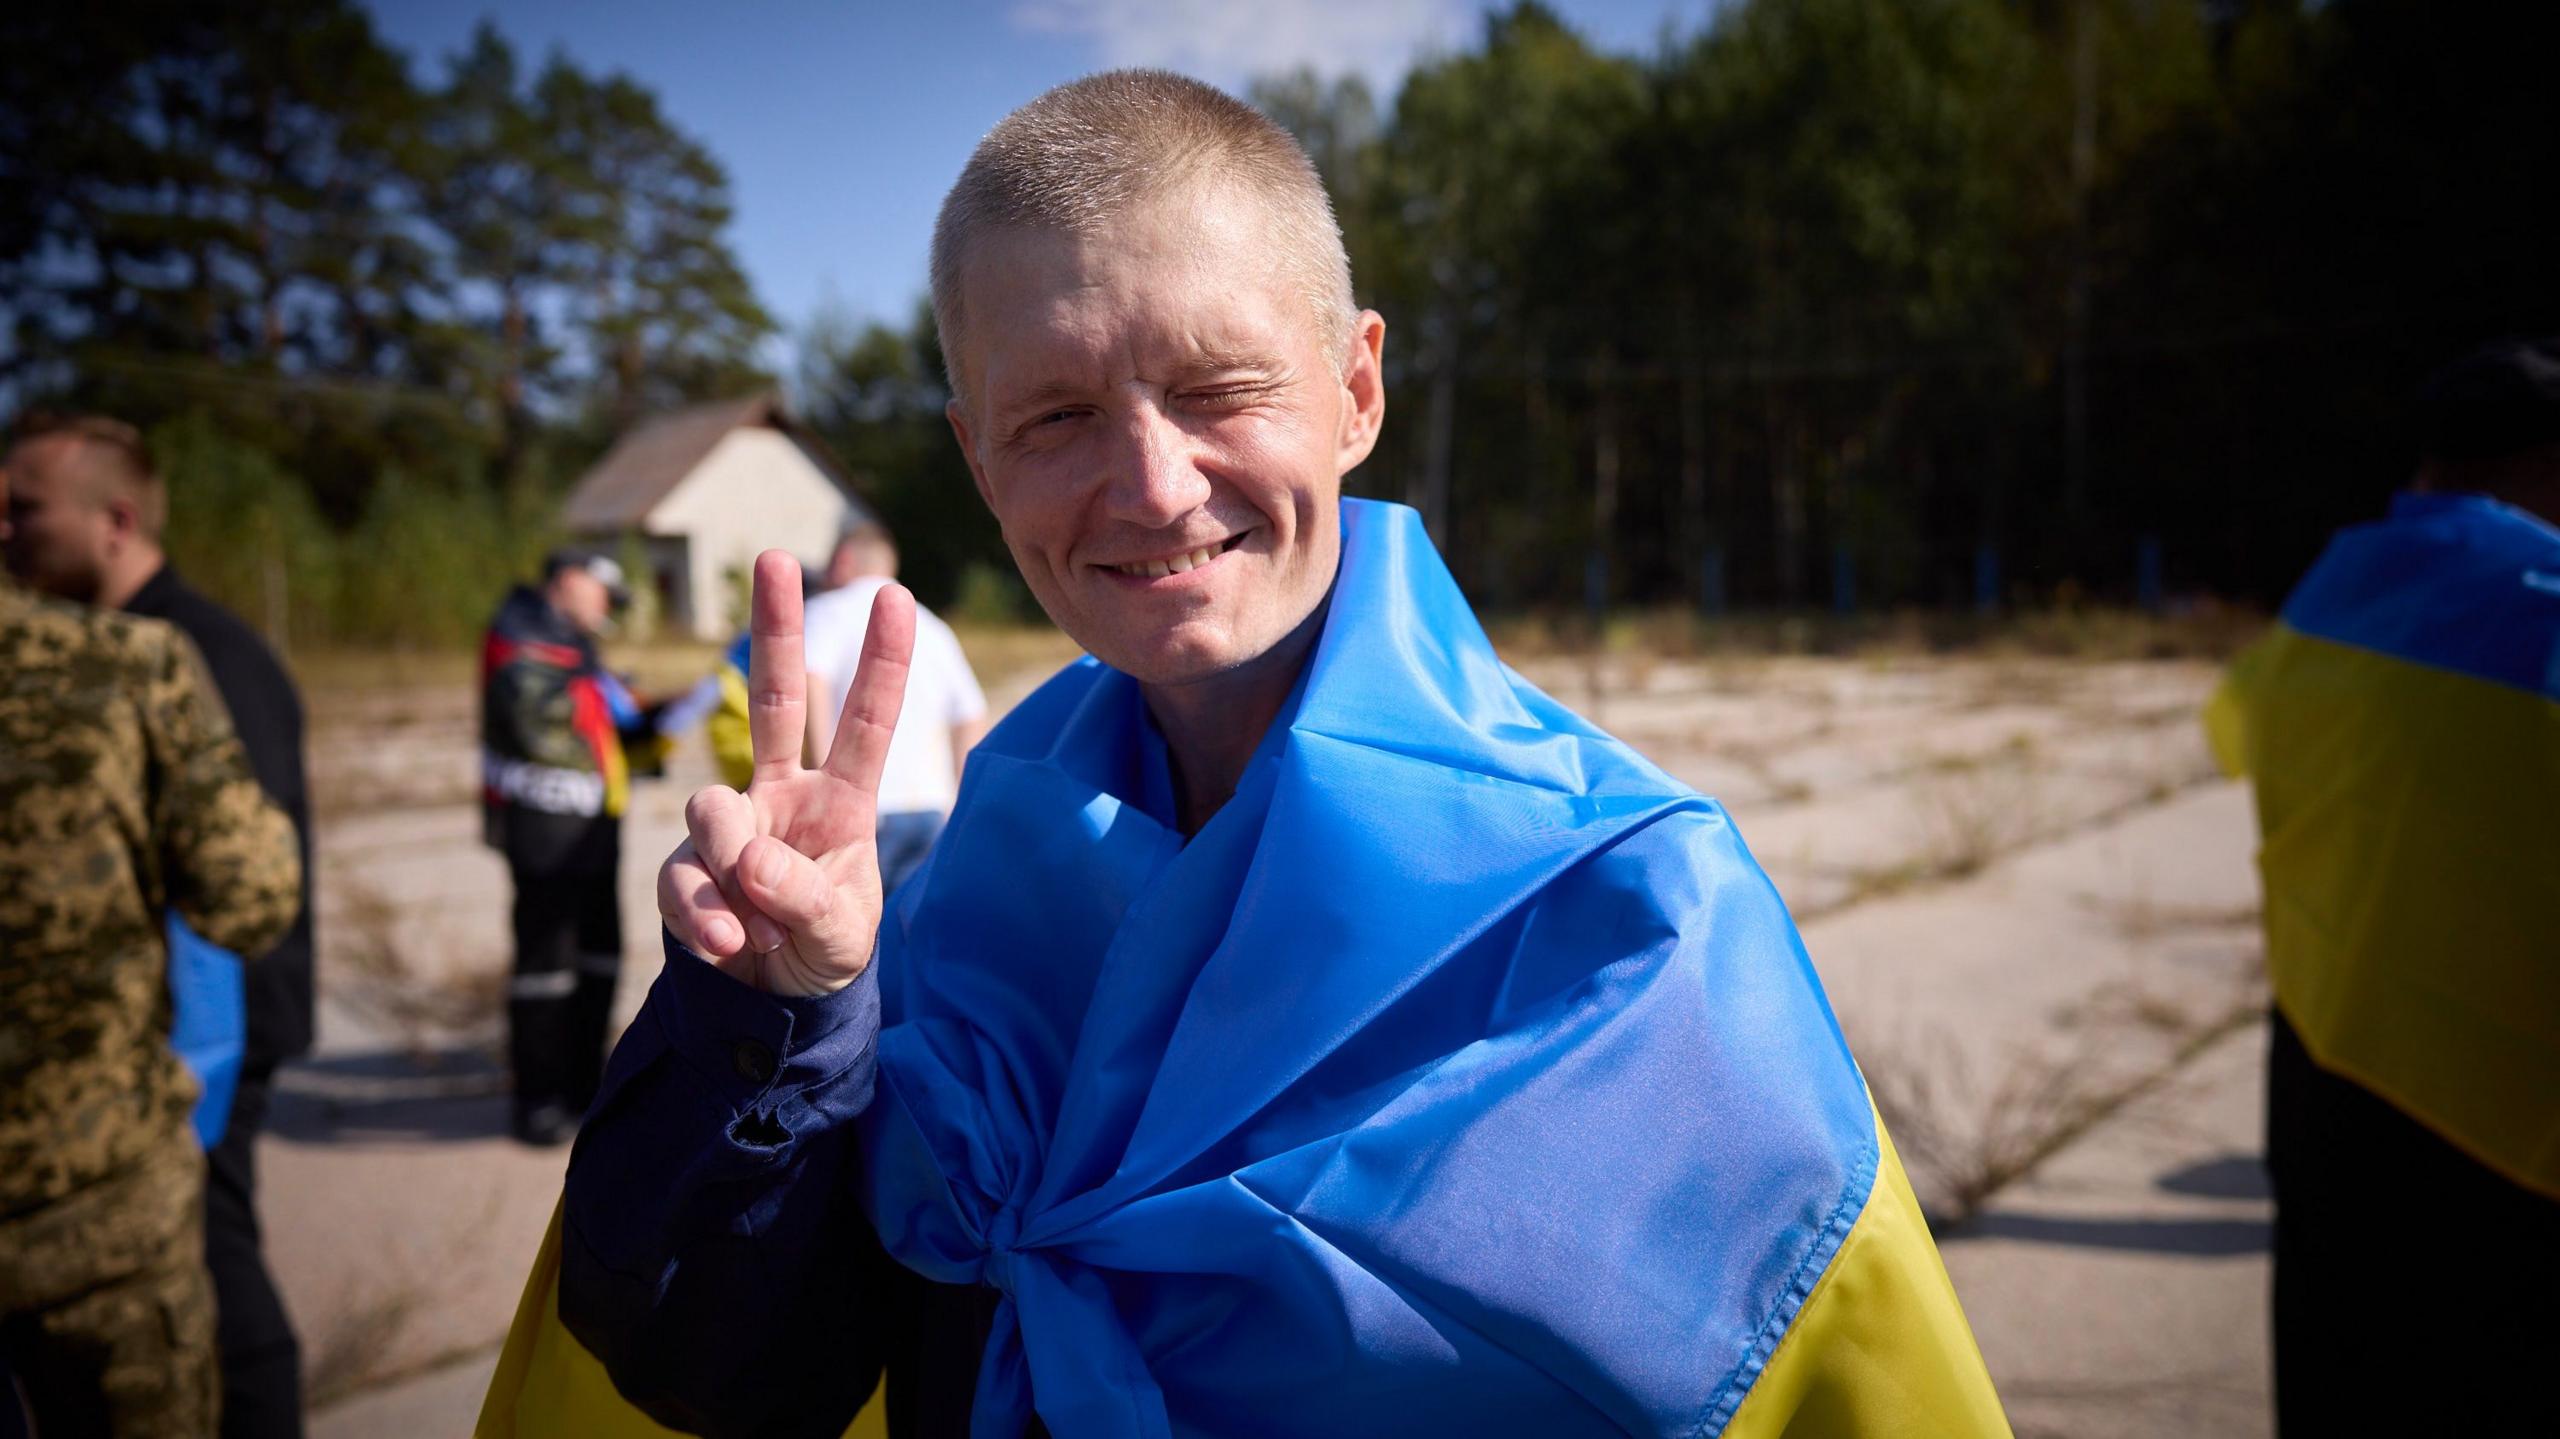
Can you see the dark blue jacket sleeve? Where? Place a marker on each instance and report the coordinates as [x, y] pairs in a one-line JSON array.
[[713, 1255]]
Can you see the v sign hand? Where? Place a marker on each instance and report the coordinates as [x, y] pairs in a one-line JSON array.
[[780, 885]]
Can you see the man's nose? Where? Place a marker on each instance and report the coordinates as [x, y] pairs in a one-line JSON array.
[[1153, 480]]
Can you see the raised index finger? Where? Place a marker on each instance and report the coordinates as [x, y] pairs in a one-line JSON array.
[[879, 687], [777, 686]]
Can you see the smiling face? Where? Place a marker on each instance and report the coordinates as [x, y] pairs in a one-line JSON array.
[[1161, 432]]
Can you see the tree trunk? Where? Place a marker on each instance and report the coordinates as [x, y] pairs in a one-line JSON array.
[[2075, 300], [1440, 435], [1604, 478], [1787, 482], [1693, 474]]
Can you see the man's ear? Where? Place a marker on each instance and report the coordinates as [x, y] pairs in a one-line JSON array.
[[959, 419], [1364, 392], [124, 518]]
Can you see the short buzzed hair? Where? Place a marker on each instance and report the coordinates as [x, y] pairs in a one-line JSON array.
[[861, 529], [1088, 152], [114, 458]]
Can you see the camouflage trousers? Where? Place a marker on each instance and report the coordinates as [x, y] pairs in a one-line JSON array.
[[106, 1311]]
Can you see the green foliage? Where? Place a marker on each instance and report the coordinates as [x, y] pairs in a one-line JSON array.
[[1909, 282], [990, 596], [428, 560], [1917, 281], [875, 395], [245, 531], [256, 212], [422, 566]]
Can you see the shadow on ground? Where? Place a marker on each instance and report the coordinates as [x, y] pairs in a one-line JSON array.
[[451, 1094], [2201, 1238], [2228, 1176]]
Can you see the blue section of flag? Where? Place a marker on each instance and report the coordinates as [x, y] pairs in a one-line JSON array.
[[211, 1026], [2454, 582], [1464, 1059], [618, 702]]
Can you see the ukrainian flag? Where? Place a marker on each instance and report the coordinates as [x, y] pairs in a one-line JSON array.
[[732, 744], [2402, 726], [548, 1384], [1464, 1075], [1879, 1347]]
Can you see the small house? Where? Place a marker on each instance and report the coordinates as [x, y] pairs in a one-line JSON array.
[[704, 491]]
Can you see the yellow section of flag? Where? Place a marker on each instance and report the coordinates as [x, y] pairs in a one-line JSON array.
[[1881, 1345], [2411, 854], [547, 1384]]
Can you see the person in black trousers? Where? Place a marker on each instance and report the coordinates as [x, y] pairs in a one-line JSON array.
[[560, 739], [87, 511]]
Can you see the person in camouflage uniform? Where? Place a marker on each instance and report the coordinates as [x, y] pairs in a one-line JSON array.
[[124, 796]]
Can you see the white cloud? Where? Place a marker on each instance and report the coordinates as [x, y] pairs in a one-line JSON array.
[[1230, 43]]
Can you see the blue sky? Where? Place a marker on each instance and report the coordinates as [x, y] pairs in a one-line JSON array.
[[842, 123]]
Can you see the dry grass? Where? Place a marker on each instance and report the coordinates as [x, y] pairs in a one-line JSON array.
[[359, 1346], [1004, 653], [350, 1350], [1968, 810], [374, 974], [2069, 632], [1965, 1137], [2141, 918]]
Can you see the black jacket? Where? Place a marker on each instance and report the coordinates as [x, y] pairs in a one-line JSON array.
[[268, 714], [554, 776]]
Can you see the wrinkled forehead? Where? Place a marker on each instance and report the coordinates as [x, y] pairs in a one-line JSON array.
[[1187, 280]]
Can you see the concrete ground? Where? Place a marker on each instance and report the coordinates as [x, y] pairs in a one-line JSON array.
[[2030, 897]]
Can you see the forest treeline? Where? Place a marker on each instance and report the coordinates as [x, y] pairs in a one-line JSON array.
[[1852, 303]]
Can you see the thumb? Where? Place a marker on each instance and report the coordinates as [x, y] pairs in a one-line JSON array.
[[829, 943]]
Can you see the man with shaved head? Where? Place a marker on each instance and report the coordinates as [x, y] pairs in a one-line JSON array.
[[1304, 1025], [87, 508]]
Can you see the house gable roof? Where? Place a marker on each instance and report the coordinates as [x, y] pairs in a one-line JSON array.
[[646, 465]]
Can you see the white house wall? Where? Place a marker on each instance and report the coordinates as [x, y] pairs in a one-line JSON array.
[[757, 490]]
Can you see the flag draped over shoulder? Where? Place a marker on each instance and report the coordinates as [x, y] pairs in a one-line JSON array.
[[1462, 1074], [2401, 726]]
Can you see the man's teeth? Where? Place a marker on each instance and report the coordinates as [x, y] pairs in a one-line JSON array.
[[1158, 569]]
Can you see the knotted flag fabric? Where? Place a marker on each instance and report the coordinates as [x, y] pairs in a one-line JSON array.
[[2401, 726], [1463, 1073]]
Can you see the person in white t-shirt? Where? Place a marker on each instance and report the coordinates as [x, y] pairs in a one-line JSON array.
[[945, 711]]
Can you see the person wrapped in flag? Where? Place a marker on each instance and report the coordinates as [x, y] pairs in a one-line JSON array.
[[2400, 726], [1305, 1026]]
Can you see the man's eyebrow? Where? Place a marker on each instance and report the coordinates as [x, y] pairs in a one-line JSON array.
[[1210, 358], [1047, 392], [1207, 360]]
